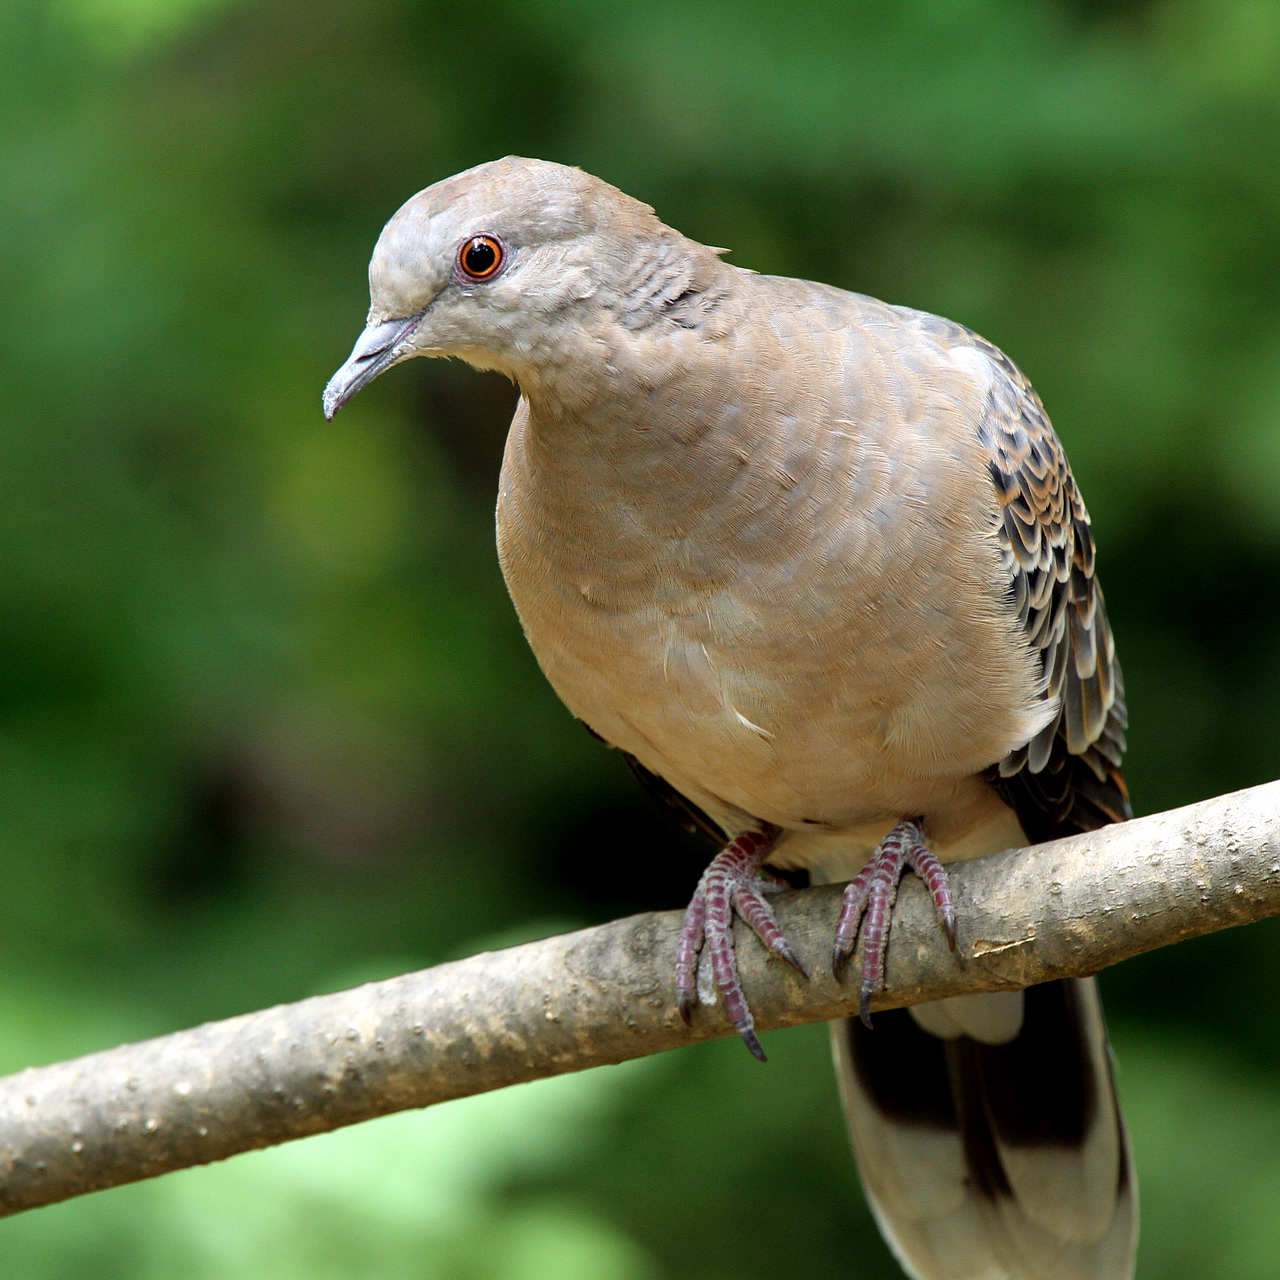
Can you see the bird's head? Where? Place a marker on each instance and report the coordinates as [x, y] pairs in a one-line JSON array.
[[486, 266]]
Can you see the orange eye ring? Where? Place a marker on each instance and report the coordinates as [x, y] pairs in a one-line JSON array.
[[480, 258]]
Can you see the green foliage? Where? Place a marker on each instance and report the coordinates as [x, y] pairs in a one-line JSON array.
[[268, 720]]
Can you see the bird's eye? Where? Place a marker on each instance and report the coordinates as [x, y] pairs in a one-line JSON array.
[[481, 258]]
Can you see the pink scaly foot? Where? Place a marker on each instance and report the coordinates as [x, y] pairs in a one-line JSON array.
[[734, 881], [871, 893]]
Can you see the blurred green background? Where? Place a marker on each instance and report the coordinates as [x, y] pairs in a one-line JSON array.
[[269, 724]]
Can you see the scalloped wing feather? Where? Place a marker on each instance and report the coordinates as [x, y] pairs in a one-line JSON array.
[[1067, 778]]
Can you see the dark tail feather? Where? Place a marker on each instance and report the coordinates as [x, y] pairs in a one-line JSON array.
[[989, 1137]]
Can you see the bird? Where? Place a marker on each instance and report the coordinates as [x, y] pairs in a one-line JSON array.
[[817, 565]]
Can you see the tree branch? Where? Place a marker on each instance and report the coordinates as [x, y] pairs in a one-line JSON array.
[[603, 995]]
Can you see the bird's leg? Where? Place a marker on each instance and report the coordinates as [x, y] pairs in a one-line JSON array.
[[734, 881], [869, 898]]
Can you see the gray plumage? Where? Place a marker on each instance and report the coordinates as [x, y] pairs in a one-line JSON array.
[[818, 564]]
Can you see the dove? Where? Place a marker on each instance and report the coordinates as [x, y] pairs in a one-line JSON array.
[[818, 566]]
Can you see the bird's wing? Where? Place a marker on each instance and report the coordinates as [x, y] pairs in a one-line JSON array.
[[1067, 778]]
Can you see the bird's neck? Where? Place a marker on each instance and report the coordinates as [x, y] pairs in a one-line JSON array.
[[642, 424], [640, 447], [637, 328]]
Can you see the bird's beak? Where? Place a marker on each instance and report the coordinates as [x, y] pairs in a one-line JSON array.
[[377, 348]]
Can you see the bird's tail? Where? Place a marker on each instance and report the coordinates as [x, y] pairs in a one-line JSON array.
[[989, 1137]]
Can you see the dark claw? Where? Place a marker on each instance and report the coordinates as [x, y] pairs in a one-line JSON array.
[[864, 1005], [750, 1039], [949, 928], [785, 952]]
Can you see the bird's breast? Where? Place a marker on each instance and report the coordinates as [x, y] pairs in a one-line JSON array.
[[770, 702]]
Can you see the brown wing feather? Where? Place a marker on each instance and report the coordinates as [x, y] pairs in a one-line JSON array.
[[1067, 778]]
